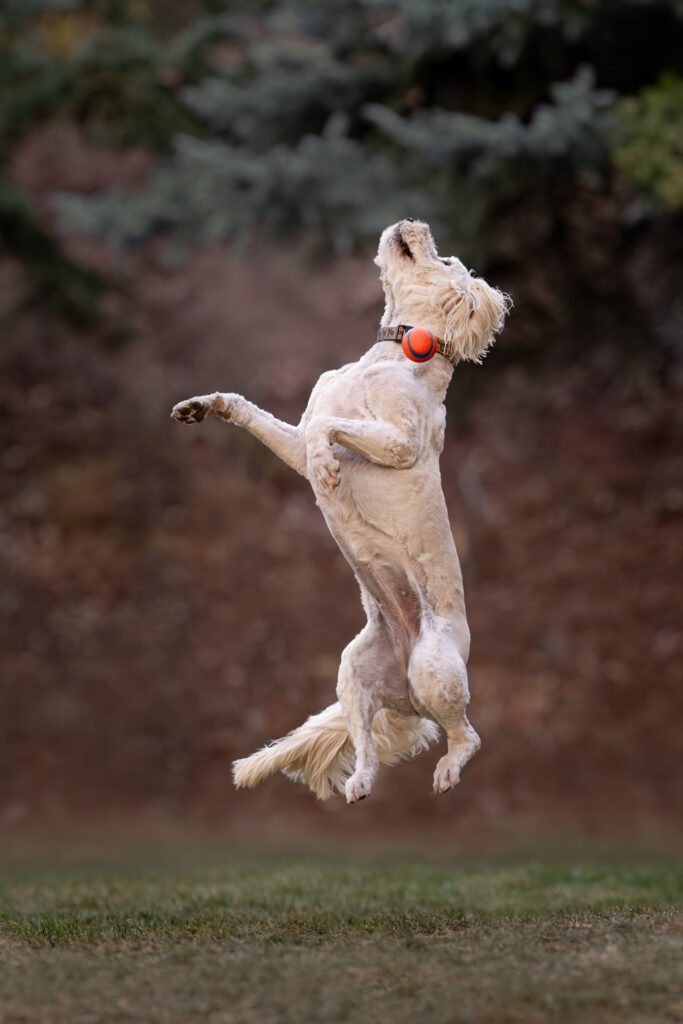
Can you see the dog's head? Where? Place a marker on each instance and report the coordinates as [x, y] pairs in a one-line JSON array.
[[427, 290]]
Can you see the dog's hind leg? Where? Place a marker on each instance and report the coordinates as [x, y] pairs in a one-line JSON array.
[[437, 678], [357, 693], [364, 665]]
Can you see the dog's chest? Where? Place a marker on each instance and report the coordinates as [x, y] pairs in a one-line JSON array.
[[338, 393], [352, 392]]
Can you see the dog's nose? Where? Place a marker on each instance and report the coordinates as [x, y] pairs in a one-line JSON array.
[[411, 220]]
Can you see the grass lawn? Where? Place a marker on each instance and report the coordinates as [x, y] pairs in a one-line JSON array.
[[314, 941]]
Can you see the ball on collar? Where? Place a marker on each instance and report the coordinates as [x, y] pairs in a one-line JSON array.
[[418, 344]]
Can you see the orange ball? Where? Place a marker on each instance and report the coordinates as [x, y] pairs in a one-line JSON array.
[[418, 344]]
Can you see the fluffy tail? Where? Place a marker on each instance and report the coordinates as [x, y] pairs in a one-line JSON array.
[[320, 753]]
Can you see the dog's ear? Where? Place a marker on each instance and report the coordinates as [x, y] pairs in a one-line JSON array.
[[474, 312]]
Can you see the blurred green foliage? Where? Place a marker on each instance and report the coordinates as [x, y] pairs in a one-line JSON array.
[[649, 141], [57, 280], [334, 118]]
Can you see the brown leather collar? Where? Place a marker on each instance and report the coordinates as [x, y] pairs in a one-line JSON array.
[[396, 334]]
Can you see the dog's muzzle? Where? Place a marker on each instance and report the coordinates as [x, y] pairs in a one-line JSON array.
[[444, 348]]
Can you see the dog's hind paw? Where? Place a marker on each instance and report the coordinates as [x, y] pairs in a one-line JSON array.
[[358, 787], [447, 775]]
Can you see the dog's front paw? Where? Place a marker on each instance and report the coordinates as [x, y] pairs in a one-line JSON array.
[[192, 410], [323, 468]]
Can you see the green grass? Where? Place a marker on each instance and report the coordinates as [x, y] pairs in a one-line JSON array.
[[308, 942]]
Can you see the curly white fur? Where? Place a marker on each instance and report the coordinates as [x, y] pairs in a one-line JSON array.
[[369, 443]]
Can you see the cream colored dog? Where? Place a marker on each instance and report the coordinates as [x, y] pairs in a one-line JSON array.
[[369, 443]]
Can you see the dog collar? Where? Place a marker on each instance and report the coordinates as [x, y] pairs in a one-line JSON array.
[[396, 334]]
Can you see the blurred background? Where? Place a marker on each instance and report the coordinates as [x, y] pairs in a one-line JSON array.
[[190, 198]]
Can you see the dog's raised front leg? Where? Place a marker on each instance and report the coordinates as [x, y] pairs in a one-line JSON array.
[[377, 440], [284, 440]]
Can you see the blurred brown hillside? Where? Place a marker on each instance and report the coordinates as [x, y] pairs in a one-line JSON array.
[[171, 598], [189, 199]]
